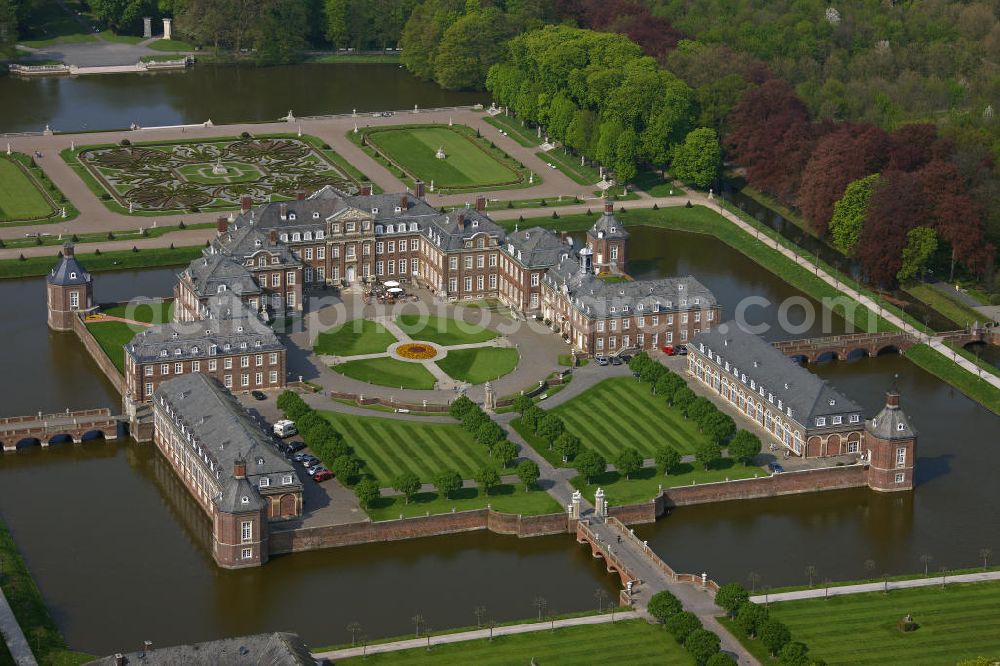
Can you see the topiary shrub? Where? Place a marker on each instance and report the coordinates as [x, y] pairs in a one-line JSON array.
[[124, 142]]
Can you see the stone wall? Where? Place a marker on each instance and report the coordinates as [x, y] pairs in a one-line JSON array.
[[787, 483], [96, 353], [331, 536]]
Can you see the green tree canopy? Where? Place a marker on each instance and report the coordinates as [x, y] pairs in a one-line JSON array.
[[730, 597], [488, 478], [667, 459], [849, 213], [628, 462], [707, 454], [680, 625], [367, 491], [567, 445], [701, 644], [504, 452], [408, 484], [921, 244], [699, 158], [745, 446], [447, 481], [346, 468], [590, 464], [750, 617], [663, 605], [468, 48], [528, 473]]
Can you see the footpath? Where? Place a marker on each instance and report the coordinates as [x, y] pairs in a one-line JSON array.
[[861, 588], [17, 644], [476, 634]]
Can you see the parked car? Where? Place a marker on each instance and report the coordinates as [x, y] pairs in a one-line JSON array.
[[322, 474], [311, 471], [636, 375], [301, 457], [615, 360], [625, 357], [310, 461], [258, 395], [682, 350], [285, 428], [294, 447], [775, 468], [601, 360], [669, 350]]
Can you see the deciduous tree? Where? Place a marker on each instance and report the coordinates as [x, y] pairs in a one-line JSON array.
[[699, 158], [408, 484], [745, 446], [528, 473], [628, 462], [667, 459], [849, 213], [446, 482], [590, 465]]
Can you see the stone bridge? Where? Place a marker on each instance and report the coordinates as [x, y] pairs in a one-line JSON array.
[[81, 426], [842, 347]]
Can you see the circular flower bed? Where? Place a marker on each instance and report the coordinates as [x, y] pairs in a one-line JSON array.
[[416, 351]]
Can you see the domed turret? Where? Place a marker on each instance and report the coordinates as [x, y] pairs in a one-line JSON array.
[[891, 447], [70, 290]]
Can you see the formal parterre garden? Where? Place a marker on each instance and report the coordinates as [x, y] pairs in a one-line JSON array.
[[469, 161], [164, 177], [27, 195], [958, 622]]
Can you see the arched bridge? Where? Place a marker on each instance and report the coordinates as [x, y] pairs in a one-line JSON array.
[[81, 426], [842, 347]]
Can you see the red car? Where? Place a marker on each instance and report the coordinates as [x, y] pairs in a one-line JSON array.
[[669, 350], [322, 475]]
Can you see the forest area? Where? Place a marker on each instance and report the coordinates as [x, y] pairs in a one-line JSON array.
[[872, 120]]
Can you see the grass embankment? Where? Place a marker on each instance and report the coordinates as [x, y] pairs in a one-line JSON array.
[[515, 130], [443, 330], [101, 237], [656, 184], [781, 209], [950, 308], [112, 336], [699, 219], [581, 174], [27, 194], [356, 58], [359, 336], [29, 608], [154, 312], [961, 621], [387, 372], [966, 382], [117, 260], [645, 484], [170, 45], [505, 498], [479, 364], [642, 642]]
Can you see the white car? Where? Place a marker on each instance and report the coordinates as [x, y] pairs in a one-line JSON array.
[[285, 428]]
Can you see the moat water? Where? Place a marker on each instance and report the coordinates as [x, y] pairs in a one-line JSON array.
[[119, 549], [222, 93]]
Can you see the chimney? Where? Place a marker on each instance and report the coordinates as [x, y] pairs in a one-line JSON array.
[[246, 203], [461, 220], [480, 203], [300, 195], [404, 203], [119, 659], [222, 224], [609, 206], [892, 398], [68, 250], [418, 189], [274, 236], [147, 646], [366, 190], [240, 469], [283, 211]]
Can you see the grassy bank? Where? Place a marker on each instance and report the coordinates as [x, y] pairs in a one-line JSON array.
[[29, 608], [972, 386], [570, 165], [781, 209], [600, 643], [505, 498], [958, 312], [118, 260], [28, 195], [645, 484], [518, 132], [99, 237], [356, 58]]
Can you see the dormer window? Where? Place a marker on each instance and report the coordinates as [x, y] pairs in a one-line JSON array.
[[244, 500], [315, 216], [374, 211], [260, 460], [72, 276], [855, 418], [264, 482], [291, 216], [307, 235], [475, 223], [296, 236], [821, 421], [413, 226], [163, 352], [220, 289], [613, 229], [239, 329], [398, 209], [258, 242], [194, 350], [177, 352], [390, 229], [284, 238], [833, 401], [379, 229]]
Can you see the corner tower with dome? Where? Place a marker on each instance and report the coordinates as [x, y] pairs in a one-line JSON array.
[[70, 291], [608, 241]]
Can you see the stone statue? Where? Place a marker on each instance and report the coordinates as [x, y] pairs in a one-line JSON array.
[[531, 178], [440, 154], [490, 399], [711, 194]]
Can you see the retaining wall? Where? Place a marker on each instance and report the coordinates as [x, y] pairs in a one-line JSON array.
[[96, 353], [351, 534]]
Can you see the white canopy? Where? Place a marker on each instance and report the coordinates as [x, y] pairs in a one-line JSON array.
[[391, 283], [394, 290]]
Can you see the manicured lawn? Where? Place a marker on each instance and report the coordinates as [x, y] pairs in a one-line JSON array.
[[466, 164], [644, 484], [620, 412], [109, 36], [966, 382], [959, 622], [505, 498], [958, 312], [393, 446], [150, 313], [567, 360], [20, 199], [388, 372], [570, 165], [106, 261], [652, 183], [443, 330], [523, 135], [479, 364], [359, 336], [170, 45], [113, 336], [634, 641]]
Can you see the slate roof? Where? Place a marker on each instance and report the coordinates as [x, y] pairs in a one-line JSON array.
[[208, 273], [891, 423], [275, 649], [243, 239], [598, 299], [63, 273], [536, 247], [194, 339], [218, 423], [804, 393], [610, 226], [312, 212]]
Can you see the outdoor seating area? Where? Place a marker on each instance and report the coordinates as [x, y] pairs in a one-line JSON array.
[[389, 292]]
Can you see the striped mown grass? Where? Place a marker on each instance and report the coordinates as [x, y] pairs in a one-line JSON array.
[[621, 412], [386, 371], [391, 447], [958, 622], [634, 641]]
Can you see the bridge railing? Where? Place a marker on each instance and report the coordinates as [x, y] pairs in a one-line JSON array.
[[837, 339], [657, 561], [40, 418], [605, 549]]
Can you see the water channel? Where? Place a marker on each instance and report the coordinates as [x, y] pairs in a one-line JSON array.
[[122, 556], [222, 93]]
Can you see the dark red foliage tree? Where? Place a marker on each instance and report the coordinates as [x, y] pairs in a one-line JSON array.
[[955, 215], [911, 147], [897, 205], [632, 18], [847, 153]]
